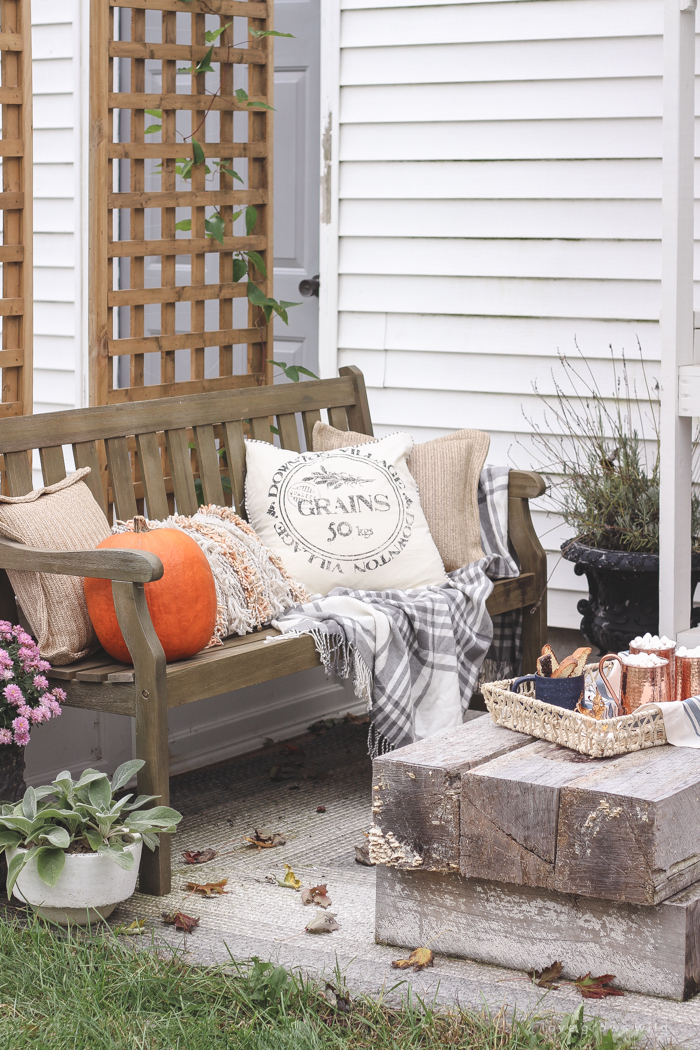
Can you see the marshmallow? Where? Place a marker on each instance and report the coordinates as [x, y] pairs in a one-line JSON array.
[[682, 651], [652, 641], [643, 660]]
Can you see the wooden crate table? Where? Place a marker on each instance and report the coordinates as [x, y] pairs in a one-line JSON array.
[[524, 852]]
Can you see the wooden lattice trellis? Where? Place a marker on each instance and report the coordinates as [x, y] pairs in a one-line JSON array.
[[16, 206], [139, 268]]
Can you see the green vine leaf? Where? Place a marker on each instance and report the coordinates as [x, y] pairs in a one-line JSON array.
[[258, 262], [292, 371], [203, 66], [251, 217], [267, 304], [215, 227], [183, 167], [259, 33], [184, 224], [198, 152], [212, 35], [223, 168], [240, 269]]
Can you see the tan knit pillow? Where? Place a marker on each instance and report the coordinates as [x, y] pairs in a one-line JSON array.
[[447, 474], [60, 517]]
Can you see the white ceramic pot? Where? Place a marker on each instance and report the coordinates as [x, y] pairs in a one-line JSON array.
[[89, 888]]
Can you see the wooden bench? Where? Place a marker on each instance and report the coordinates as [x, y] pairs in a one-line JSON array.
[[142, 452]]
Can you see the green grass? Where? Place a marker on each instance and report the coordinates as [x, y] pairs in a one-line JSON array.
[[98, 992]]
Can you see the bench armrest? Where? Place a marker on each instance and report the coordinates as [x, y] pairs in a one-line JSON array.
[[125, 565], [524, 485]]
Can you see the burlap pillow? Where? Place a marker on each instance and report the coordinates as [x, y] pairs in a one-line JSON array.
[[61, 517], [447, 474]]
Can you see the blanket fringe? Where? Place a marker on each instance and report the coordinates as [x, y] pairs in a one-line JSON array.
[[376, 743]]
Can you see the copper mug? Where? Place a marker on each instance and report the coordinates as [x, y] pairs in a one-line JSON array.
[[687, 677], [665, 654], [638, 685]]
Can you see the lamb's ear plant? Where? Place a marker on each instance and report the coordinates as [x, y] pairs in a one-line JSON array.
[[80, 816]]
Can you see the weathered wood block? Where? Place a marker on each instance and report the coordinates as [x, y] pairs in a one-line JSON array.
[[509, 816], [629, 829], [653, 950], [416, 794], [623, 829], [501, 806]]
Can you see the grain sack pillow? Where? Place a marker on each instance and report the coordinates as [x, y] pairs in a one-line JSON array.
[[60, 517], [347, 518], [447, 473]]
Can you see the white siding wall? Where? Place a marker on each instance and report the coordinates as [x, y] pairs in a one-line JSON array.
[[499, 198], [59, 201]]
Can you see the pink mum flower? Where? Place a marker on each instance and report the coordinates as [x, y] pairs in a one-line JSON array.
[[43, 665], [5, 658], [40, 682], [21, 730], [5, 736], [24, 710], [6, 675], [13, 694], [39, 714], [60, 694], [52, 706]]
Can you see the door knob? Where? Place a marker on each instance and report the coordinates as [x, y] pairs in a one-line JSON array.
[[309, 286]]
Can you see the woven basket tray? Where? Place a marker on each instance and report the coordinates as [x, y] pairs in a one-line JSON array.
[[600, 739]]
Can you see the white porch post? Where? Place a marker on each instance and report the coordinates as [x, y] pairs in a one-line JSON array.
[[676, 313]]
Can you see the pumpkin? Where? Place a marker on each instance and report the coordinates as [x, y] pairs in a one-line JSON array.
[[182, 603]]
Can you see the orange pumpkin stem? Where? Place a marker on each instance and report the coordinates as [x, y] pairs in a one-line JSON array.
[[140, 524]]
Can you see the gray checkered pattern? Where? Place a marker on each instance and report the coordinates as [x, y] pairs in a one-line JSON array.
[[435, 633]]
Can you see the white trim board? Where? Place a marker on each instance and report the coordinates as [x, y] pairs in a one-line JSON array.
[[329, 188]]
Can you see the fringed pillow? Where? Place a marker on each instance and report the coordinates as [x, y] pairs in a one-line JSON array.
[[252, 584]]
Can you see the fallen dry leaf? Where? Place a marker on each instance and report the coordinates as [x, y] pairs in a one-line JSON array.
[[596, 987], [290, 881], [293, 749], [340, 1002], [180, 921], [266, 839], [323, 922], [134, 929], [316, 895], [357, 720], [418, 959], [546, 978], [324, 724], [207, 889], [284, 772], [362, 855], [198, 856], [320, 809]]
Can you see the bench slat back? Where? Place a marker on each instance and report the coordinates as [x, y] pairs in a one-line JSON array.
[[169, 452]]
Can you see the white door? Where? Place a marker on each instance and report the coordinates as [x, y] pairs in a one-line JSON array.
[[296, 199]]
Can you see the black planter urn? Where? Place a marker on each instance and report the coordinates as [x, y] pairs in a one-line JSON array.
[[623, 594], [12, 785]]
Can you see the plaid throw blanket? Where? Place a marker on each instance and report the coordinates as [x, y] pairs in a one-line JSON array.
[[415, 656]]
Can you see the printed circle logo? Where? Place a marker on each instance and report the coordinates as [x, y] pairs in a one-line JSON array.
[[345, 507]]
